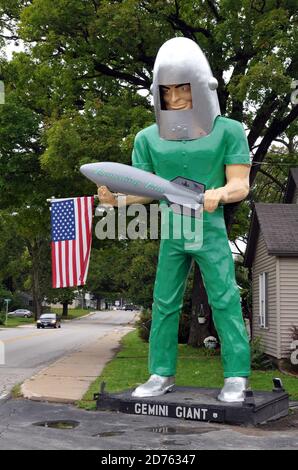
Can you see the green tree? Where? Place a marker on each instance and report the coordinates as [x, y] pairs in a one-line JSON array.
[[81, 103], [250, 45], [65, 296], [140, 272], [105, 276]]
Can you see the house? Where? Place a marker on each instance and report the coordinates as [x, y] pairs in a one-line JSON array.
[[81, 300], [26, 300], [272, 256], [291, 193]]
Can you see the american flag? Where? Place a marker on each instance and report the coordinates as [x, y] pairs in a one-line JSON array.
[[71, 222]]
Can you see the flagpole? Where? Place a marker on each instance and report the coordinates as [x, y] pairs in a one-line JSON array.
[[53, 199], [71, 227]]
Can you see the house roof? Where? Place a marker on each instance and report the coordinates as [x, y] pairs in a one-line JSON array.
[[292, 184], [279, 226]]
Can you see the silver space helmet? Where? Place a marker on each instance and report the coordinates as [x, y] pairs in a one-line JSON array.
[[180, 60]]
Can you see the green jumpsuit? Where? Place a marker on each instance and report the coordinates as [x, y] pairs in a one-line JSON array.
[[202, 160]]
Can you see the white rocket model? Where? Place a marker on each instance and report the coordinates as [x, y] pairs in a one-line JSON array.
[[179, 193]]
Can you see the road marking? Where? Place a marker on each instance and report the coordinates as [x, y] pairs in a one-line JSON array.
[[20, 338], [5, 395]]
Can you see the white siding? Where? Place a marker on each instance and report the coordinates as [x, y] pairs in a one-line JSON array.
[[288, 275], [265, 263]]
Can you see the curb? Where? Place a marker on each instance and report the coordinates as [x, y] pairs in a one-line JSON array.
[[79, 318], [68, 379], [5, 397]]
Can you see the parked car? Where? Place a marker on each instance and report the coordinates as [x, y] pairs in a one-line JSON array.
[[51, 320], [21, 312]]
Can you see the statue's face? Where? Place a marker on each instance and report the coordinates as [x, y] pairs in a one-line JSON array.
[[177, 97]]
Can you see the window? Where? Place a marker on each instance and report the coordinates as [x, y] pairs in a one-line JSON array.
[[263, 300]]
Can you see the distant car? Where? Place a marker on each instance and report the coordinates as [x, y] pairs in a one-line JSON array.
[[51, 320], [21, 312], [129, 307]]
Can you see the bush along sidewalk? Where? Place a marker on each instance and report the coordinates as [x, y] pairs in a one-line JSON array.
[[197, 367]]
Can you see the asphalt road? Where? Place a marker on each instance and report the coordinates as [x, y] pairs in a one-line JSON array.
[[27, 350]]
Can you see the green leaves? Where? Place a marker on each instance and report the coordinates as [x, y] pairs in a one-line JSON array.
[[72, 98], [62, 16], [102, 132], [124, 269], [262, 78]]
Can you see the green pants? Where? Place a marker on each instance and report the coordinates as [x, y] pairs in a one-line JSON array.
[[217, 267]]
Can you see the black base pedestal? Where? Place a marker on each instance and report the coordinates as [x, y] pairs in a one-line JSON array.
[[200, 404]]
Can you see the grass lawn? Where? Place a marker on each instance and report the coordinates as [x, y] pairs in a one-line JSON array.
[[12, 322], [73, 313], [196, 367]]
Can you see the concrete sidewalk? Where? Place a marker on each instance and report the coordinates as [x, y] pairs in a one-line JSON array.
[[67, 380]]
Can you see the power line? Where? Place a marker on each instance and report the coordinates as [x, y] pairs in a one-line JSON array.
[[275, 163]]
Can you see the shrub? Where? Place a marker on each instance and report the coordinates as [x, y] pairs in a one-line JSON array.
[[2, 318], [144, 324], [259, 360], [289, 363], [294, 331]]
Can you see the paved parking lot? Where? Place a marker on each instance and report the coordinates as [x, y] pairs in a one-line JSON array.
[[22, 426]]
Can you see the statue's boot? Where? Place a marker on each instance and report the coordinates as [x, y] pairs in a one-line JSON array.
[[233, 389], [155, 386]]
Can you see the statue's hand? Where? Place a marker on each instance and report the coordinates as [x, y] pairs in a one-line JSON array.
[[105, 196], [212, 198]]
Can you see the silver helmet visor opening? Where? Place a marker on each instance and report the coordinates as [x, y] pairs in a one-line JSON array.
[[175, 97]]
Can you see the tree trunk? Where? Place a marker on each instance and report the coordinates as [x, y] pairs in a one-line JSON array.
[[65, 309], [199, 331], [36, 297]]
